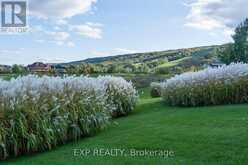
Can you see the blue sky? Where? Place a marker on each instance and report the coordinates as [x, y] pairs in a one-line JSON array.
[[63, 31]]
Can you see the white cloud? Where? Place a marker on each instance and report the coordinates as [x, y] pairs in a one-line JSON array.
[[115, 51], [61, 22], [59, 43], [70, 44], [40, 41], [123, 51], [11, 51], [87, 30], [59, 8], [57, 28], [36, 29], [59, 36], [93, 24], [56, 16], [221, 15]]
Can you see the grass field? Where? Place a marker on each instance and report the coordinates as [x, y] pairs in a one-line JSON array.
[[210, 135], [173, 63]]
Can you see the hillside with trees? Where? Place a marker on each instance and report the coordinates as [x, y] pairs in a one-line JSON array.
[[161, 62]]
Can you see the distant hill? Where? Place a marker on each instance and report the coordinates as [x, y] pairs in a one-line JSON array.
[[162, 62], [151, 56], [169, 62]]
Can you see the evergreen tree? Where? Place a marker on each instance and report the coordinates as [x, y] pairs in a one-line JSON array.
[[238, 51]]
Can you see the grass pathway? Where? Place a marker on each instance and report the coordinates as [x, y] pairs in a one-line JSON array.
[[211, 135]]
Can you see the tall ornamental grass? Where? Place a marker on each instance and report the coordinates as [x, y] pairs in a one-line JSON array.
[[120, 94], [39, 113], [212, 86]]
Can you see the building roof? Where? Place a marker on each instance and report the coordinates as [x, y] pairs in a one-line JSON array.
[[38, 64], [39, 67]]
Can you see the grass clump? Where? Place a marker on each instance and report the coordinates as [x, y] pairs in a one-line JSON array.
[[40, 113], [212, 86], [120, 94]]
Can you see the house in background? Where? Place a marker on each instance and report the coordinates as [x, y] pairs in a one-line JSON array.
[[39, 67], [216, 63]]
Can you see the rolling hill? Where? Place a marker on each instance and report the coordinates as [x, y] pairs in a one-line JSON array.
[[161, 62], [171, 55]]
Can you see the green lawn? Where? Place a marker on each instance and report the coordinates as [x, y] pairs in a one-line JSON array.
[[173, 63], [210, 135]]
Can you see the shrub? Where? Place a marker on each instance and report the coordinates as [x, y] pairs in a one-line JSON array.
[[120, 94], [155, 89], [212, 86], [163, 70], [39, 113]]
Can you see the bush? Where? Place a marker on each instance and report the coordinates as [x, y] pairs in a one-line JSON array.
[[39, 113], [212, 86], [155, 89], [163, 70], [120, 94]]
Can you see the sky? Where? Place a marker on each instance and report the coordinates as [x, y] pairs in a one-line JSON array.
[[66, 30]]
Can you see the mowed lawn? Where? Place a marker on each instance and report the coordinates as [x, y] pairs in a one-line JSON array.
[[210, 135]]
